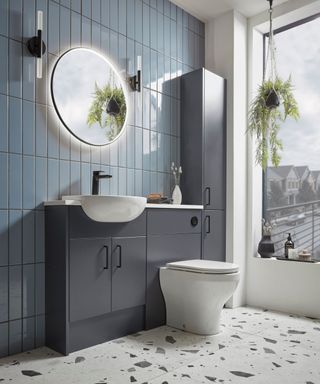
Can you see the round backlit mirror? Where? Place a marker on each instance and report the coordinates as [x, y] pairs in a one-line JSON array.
[[89, 96]]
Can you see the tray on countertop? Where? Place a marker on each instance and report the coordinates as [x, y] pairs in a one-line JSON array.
[[299, 260]]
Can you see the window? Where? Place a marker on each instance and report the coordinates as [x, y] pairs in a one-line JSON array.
[[292, 190]]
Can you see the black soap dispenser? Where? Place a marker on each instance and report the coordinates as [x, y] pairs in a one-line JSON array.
[[289, 244]]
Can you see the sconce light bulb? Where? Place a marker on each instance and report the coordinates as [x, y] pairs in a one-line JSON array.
[[138, 63], [40, 20]]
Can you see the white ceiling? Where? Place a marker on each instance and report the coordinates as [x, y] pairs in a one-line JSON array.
[[206, 10]]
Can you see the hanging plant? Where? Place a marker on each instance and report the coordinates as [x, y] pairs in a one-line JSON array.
[[274, 102], [108, 109]]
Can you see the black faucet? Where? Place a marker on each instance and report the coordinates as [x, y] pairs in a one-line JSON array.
[[96, 176]]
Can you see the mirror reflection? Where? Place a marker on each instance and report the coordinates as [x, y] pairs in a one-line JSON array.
[[89, 96]]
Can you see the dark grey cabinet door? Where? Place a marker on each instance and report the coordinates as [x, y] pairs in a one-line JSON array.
[[161, 250], [213, 235], [90, 278], [128, 272], [214, 142]]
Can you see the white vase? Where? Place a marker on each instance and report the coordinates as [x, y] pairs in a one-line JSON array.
[[176, 195]]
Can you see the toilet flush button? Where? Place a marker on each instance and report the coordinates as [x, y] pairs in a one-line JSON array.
[[194, 221]]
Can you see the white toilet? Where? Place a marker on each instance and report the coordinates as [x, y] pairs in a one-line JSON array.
[[195, 292]]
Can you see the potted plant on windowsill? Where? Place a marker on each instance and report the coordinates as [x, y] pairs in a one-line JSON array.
[[273, 103]]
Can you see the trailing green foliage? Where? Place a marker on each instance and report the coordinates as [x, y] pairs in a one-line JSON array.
[[98, 114], [264, 122]]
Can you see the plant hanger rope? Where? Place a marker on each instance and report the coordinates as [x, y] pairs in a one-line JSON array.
[[271, 52]]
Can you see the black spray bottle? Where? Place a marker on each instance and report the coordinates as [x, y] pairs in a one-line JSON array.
[[289, 244]]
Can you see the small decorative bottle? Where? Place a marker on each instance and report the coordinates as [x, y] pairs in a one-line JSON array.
[[289, 244], [266, 245], [176, 194]]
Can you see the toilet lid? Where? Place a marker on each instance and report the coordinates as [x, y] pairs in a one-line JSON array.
[[204, 266]]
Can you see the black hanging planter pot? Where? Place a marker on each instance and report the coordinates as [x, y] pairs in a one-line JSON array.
[[272, 100], [113, 108], [266, 247]]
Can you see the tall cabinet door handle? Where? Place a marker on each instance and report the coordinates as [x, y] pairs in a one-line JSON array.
[[208, 224], [107, 257], [207, 195], [120, 256]]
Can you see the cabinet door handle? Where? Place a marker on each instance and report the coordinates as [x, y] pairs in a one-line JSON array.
[[120, 256], [208, 224], [208, 195], [107, 257]]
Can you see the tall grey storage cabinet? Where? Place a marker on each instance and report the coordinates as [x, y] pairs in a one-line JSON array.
[[203, 154]]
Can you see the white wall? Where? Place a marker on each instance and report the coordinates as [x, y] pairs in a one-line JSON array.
[[226, 55], [285, 286]]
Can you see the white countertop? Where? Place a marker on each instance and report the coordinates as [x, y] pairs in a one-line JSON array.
[[158, 206]]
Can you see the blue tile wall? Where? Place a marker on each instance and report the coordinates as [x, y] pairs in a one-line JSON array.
[[40, 160]]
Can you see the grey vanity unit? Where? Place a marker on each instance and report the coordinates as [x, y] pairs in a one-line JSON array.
[[102, 279], [203, 154]]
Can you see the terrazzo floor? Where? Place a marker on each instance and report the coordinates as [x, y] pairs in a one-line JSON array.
[[255, 346]]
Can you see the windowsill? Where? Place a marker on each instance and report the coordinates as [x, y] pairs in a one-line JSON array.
[[294, 261]]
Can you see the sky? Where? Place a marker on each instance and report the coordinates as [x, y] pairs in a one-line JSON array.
[[298, 54]]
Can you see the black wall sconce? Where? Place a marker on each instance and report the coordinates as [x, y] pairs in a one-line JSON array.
[[36, 46], [135, 81]]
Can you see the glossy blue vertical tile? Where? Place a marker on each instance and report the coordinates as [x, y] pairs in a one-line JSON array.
[[153, 70], [153, 3], [138, 182], [130, 146], [114, 47], [146, 108], [15, 292], [153, 29], [96, 10], [28, 338], [53, 28], [4, 338], [15, 237], [146, 66], [4, 238], [15, 336], [153, 150], [75, 178], [39, 236], [160, 73], [146, 149], [28, 182], [41, 194], [154, 182], [64, 29], [15, 19], [64, 137], [191, 48], [28, 75], [64, 178], [130, 182], [114, 15], [86, 8], [75, 29], [41, 130], [85, 32], [173, 11], [28, 292], [145, 183], [96, 35], [114, 153], [167, 153], [15, 181], [28, 237], [53, 179], [122, 181], [4, 180], [123, 17], [138, 148], [53, 133], [4, 303], [138, 20], [160, 33], [130, 19], [105, 13], [166, 113], [166, 35], [166, 8], [114, 181], [167, 76], [40, 289], [179, 42], [153, 109], [173, 35], [105, 40], [4, 65], [28, 128], [160, 153], [40, 331], [66, 3], [160, 5], [122, 59], [123, 149], [146, 24], [85, 179], [4, 17], [15, 125]]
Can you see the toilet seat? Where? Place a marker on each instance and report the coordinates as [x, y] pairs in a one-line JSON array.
[[204, 266]]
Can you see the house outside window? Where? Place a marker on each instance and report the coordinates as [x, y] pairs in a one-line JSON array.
[[292, 190]]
